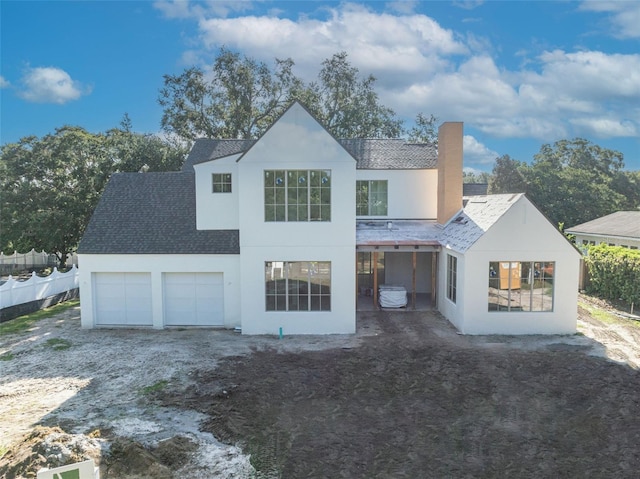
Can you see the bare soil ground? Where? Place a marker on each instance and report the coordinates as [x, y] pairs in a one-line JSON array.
[[405, 397]]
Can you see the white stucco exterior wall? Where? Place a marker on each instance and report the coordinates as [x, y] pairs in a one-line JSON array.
[[521, 234], [297, 141], [412, 194], [454, 312], [156, 265], [217, 211]]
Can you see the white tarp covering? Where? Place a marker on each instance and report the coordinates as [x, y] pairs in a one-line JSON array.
[[392, 296]]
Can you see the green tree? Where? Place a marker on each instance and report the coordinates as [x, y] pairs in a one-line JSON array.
[[627, 183], [241, 98], [347, 104], [507, 176], [50, 188], [51, 185], [238, 98], [424, 130], [130, 151], [573, 181], [475, 177]]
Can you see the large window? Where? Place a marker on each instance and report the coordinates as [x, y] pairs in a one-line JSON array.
[[297, 195], [371, 198], [221, 182], [298, 285], [452, 277], [521, 285]]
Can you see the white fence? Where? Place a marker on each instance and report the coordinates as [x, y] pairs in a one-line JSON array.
[[31, 260], [15, 292]]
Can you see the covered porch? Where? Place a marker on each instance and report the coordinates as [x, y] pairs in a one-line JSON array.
[[396, 260]]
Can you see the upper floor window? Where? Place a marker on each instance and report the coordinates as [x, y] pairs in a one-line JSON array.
[[221, 182], [521, 285], [371, 198], [297, 195]]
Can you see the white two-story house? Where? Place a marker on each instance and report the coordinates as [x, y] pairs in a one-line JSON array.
[[296, 231]]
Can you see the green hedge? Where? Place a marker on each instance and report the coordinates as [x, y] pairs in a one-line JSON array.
[[614, 272]]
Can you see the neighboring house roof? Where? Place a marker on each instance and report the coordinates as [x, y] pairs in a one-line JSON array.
[[474, 189], [477, 216], [370, 153], [621, 223], [152, 213]]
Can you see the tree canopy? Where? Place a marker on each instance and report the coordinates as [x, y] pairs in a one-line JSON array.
[[241, 97], [507, 177], [571, 181], [51, 185]]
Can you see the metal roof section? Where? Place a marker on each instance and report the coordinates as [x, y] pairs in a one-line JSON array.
[[624, 224], [459, 233], [394, 234]]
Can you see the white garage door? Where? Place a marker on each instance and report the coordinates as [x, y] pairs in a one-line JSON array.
[[123, 299], [193, 299]]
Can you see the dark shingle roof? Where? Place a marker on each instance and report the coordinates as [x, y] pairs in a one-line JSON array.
[[474, 189], [205, 149], [391, 154], [370, 154], [620, 223], [152, 213]]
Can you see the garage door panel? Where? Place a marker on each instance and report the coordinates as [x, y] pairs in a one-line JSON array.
[[123, 299], [194, 299]]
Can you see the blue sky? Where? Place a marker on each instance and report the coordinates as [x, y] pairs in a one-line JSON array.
[[518, 74]]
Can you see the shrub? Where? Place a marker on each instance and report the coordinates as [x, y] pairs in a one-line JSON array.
[[614, 272]]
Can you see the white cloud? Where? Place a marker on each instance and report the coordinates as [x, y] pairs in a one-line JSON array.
[[186, 9], [402, 6], [423, 67], [624, 19], [50, 85], [4, 83], [476, 153], [396, 49], [607, 127]]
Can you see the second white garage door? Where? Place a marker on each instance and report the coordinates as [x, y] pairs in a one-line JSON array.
[[193, 299]]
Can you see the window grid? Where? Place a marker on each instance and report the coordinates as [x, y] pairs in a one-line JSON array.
[[297, 195], [521, 286], [221, 182], [298, 286], [371, 197]]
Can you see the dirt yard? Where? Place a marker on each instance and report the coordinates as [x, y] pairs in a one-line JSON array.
[[405, 397]]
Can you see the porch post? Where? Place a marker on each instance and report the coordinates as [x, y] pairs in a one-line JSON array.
[[375, 279], [413, 287]]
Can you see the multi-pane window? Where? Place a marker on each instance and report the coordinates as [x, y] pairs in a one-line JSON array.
[[521, 285], [371, 198], [452, 277], [298, 285], [221, 182], [297, 195]]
